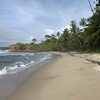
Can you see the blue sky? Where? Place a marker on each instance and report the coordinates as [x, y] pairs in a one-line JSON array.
[[22, 20]]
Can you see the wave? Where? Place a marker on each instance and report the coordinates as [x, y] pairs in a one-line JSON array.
[[31, 54], [17, 66], [4, 51], [21, 65], [47, 56]]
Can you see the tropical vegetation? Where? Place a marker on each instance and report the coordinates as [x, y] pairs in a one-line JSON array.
[[85, 37]]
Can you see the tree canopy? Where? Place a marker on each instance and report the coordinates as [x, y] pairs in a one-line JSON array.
[[83, 38]]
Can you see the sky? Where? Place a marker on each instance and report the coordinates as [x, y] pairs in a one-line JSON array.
[[23, 20]]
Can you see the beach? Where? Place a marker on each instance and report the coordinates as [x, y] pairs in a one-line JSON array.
[[67, 77]]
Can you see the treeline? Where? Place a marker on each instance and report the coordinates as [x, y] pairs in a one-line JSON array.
[[86, 38]]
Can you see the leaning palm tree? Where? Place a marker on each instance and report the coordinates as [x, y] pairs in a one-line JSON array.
[[91, 7], [94, 39]]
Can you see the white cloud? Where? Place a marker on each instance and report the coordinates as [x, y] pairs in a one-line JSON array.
[[63, 28], [67, 26], [49, 31], [28, 18], [9, 37]]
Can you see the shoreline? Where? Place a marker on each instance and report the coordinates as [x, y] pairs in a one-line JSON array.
[[39, 67], [10, 81], [67, 77]]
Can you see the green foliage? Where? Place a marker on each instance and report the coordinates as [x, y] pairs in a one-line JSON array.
[[83, 22], [33, 41], [85, 39]]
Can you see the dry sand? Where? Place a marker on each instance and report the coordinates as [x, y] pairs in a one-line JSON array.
[[66, 78]]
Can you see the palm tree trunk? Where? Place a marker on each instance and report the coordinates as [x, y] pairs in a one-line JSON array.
[[91, 6]]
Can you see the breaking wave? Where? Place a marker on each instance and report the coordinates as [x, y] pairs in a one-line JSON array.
[[21, 61], [4, 51]]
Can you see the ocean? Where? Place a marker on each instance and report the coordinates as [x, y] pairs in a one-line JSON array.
[[15, 67]]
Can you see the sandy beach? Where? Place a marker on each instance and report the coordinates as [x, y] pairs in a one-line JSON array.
[[66, 78]]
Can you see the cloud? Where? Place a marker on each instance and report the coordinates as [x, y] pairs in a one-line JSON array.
[[23, 19], [8, 37], [49, 31], [63, 28]]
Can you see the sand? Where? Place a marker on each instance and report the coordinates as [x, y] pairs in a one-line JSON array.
[[66, 78]]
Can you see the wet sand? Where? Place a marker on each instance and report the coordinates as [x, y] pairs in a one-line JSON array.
[[66, 78]]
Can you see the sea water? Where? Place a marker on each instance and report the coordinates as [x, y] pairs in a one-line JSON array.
[[15, 67]]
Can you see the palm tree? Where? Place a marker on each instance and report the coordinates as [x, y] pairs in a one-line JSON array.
[[91, 6], [53, 36], [47, 37], [58, 35], [75, 35], [73, 27], [93, 30], [83, 22]]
